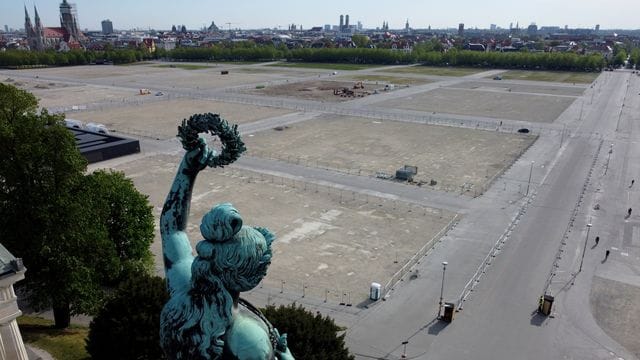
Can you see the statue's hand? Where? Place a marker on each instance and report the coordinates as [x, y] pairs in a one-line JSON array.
[[198, 158], [282, 351]]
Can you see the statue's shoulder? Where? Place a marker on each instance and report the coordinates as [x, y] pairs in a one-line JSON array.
[[248, 337]]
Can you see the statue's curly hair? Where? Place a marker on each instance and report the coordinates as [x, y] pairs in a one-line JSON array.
[[194, 321]]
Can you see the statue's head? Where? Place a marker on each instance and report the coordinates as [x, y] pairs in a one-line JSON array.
[[238, 255]]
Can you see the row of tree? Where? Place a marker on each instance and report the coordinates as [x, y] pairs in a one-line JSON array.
[[427, 54], [20, 58]]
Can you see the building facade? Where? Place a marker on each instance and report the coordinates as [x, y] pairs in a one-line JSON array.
[[11, 271], [107, 27]]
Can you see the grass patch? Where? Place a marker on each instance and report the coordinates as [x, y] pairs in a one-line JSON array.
[[556, 76], [434, 70], [185, 66], [388, 79], [65, 344], [328, 66]]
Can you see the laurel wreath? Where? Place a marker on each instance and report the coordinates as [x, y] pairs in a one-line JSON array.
[[232, 145]]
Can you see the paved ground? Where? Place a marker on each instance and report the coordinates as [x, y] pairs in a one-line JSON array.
[[502, 253], [500, 103], [327, 238], [459, 160]]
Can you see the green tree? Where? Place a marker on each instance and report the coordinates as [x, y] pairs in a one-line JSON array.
[[127, 219], [361, 41], [66, 226], [309, 336], [127, 326], [620, 57]]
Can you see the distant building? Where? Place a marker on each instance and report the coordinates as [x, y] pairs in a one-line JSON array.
[[341, 22], [476, 47], [107, 27], [493, 27], [532, 30], [597, 27], [69, 18], [327, 27], [461, 29], [346, 21], [63, 38], [6, 28]]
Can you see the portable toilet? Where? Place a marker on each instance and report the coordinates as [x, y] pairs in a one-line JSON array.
[[375, 291]]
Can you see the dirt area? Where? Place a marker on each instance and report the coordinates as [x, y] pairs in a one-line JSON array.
[[327, 239], [522, 88], [500, 104], [85, 96], [159, 119], [320, 90], [616, 310], [154, 77], [456, 158]]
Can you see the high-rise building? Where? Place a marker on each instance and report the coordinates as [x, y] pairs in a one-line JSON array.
[[6, 28], [461, 29], [341, 22], [597, 27], [107, 27], [346, 22]]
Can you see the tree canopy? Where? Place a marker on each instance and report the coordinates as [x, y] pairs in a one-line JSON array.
[[75, 233], [127, 327], [309, 336]]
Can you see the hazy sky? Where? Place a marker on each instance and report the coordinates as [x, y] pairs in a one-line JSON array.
[[252, 14]]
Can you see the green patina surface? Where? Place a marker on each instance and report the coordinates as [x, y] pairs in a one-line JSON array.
[[205, 317]]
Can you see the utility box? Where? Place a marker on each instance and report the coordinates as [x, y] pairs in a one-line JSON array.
[[375, 291], [547, 303], [449, 310], [404, 175]]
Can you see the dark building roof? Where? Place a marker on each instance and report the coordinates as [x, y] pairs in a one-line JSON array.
[[99, 147]]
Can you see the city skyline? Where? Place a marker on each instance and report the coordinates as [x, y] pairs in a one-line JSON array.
[[250, 14]]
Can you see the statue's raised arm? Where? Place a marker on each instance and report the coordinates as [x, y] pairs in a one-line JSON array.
[[176, 249], [205, 318]]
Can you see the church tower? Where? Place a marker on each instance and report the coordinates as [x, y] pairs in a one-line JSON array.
[[69, 19], [28, 28], [39, 32]]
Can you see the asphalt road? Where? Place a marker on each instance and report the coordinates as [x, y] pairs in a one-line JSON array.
[[499, 318]]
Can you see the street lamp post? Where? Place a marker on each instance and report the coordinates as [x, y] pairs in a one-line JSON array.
[[586, 239], [444, 269], [529, 182]]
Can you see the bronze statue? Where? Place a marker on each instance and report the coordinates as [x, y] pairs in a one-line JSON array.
[[205, 317]]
